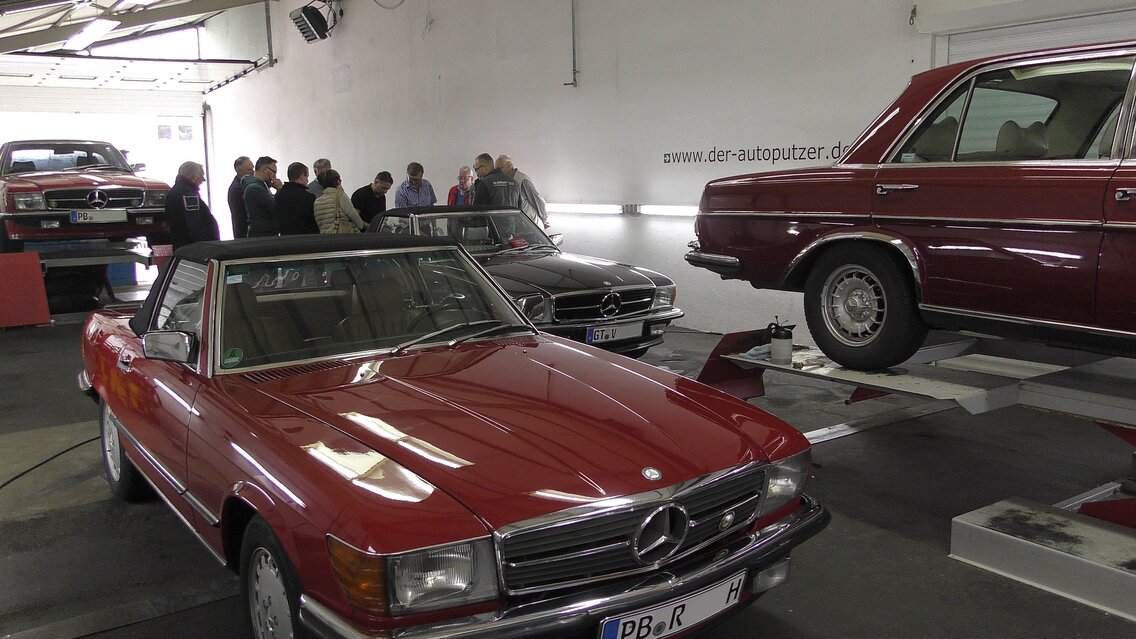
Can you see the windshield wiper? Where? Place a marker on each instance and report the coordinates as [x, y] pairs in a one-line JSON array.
[[428, 336], [89, 167], [527, 247], [489, 331]]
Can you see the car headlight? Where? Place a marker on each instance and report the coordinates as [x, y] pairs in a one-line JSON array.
[[154, 198], [454, 575], [29, 201], [413, 582], [785, 481], [664, 296], [534, 307]]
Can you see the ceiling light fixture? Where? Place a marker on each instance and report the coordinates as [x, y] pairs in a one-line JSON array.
[[90, 34]]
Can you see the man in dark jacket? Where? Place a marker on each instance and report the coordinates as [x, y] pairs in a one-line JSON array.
[[494, 188], [259, 201], [294, 203], [371, 200], [243, 167], [187, 215]]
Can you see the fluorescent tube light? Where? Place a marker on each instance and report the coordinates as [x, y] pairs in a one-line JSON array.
[[676, 211], [90, 34], [594, 209]]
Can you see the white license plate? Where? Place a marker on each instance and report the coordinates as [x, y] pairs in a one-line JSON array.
[[97, 217], [598, 334], [677, 615]]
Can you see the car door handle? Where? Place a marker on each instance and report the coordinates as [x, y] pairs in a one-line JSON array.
[[1123, 195], [884, 189], [124, 364]]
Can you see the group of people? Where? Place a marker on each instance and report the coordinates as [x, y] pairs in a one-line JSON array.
[[261, 205]]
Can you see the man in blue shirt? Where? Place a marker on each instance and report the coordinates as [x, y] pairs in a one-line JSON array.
[[414, 191]]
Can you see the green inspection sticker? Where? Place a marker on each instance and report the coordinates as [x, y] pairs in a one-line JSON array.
[[233, 356]]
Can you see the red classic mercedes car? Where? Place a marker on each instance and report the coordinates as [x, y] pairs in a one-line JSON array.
[[993, 196], [75, 190], [379, 441]]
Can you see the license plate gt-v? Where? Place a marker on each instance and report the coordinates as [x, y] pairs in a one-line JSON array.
[[598, 334], [677, 615], [97, 217]]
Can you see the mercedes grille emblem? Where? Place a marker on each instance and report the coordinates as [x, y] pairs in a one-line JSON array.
[[98, 199], [726, 521], [660, 534], [652, 473], [610, 304]]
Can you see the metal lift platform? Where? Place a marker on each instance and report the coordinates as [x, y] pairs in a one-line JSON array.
[[1083, 548]]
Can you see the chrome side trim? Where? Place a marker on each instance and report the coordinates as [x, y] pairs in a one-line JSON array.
[[907, 251], [1047, 164], [1120, 226], [1096, 330], [178, 487], [581, 612], [786, 214], [650, 318], [84, 380], [990, 221]]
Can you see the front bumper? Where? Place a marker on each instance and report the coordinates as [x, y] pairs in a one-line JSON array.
[[31, 226], [652, 334], [579, 614]]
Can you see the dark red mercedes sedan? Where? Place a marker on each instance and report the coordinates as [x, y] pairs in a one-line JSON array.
[[992, 195]]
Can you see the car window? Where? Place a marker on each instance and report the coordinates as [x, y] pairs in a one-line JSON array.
[[301, 309], [394, 224], [491, 232], [1054, 111], [180, 309]]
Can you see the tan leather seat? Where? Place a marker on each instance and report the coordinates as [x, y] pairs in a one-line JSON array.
[[1018, 143], [378, 310], [938, 141]]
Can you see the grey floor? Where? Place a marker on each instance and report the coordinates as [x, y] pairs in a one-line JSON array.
[[78, 564]]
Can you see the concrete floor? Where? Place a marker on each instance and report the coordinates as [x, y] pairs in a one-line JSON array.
[[79, 564]]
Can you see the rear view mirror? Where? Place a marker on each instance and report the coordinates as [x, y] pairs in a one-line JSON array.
[[557, 238]]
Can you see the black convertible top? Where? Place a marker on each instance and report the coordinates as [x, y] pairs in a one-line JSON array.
[[301, 244]]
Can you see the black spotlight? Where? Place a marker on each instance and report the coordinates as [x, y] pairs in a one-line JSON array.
[[310, 22]]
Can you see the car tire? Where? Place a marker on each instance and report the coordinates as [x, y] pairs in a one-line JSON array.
[[270, 589], [860, 308], [124, 479]]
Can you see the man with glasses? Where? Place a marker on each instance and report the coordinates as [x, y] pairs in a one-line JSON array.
[[494, 188], [260, 203], [462, 192], [415, 191]]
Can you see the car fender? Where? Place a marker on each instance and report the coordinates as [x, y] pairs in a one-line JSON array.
[[905, 250]]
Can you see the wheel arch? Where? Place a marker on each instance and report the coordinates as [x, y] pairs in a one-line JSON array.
[[245, 502], [897, 247]]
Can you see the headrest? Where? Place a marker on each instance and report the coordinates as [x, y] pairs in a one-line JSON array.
[[1017, 143], [1105, 149], [937, 142], [23, 166]]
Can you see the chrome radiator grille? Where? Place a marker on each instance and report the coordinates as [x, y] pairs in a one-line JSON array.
[[581, 547], [78, 198], [601, 305]]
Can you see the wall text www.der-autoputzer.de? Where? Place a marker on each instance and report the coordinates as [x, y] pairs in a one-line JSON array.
[[771, 154]]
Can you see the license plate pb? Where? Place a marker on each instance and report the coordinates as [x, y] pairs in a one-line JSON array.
[[614, 332], [677, 615], [97, 217]]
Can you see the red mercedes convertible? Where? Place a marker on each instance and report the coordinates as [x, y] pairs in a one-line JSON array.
[[381, 444]]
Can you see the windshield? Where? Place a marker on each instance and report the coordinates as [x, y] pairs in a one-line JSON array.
[[279, 312], [479, 232], [28, 157]]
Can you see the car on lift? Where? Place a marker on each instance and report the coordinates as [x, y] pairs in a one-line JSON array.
[[619, 307], [373, 435], [992, 196], [75, 190]]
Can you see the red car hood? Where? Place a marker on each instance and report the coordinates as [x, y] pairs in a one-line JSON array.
[[514, 429], [76, 179]]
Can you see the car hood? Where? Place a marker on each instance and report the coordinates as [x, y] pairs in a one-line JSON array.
[[557, 272], [77, 179], [521, 427]]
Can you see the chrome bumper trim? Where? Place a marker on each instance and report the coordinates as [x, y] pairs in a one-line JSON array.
[[654, 318], [712, 261], [582, 611]]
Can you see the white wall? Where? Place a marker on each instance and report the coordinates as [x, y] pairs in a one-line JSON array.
[[656, 77]]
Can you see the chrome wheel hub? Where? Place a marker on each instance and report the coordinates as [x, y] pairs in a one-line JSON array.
[[268, 600], [854, 305], [111, 449]]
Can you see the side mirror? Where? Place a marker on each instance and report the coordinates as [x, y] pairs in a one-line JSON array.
[[171, 346], [557, 239], [138, 168]]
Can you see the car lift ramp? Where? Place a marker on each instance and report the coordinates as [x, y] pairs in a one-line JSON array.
[[1058, 548]]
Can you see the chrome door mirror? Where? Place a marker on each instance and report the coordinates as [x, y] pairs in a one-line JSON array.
[[557, 239], [171, 346]]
